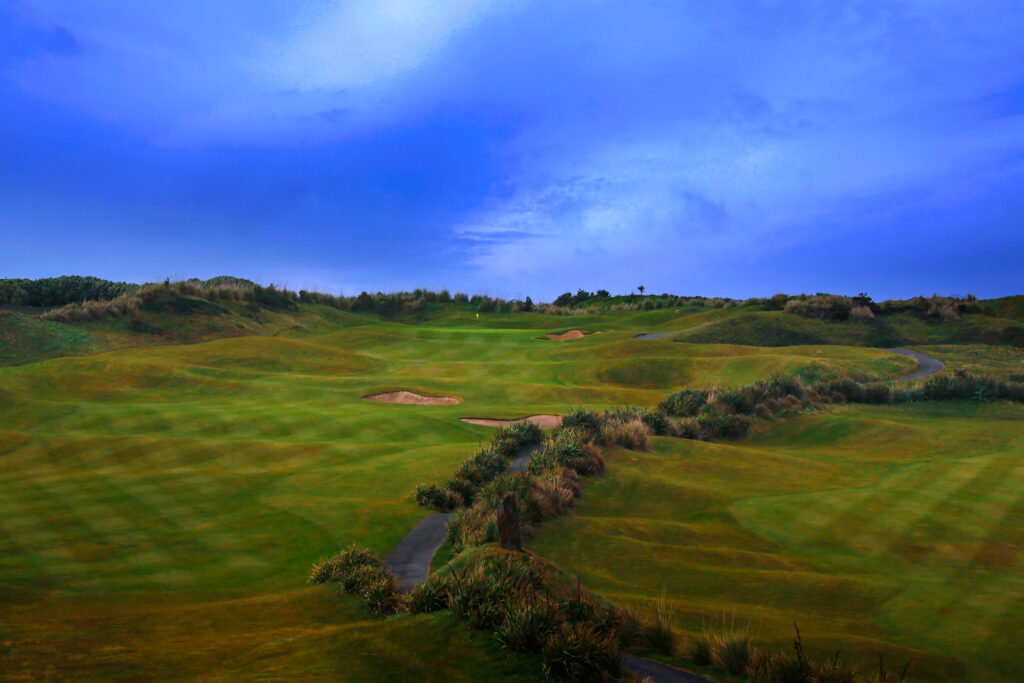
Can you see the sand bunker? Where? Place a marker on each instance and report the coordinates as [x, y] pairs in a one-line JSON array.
[[570, 334], [542, 421], [409, 398]]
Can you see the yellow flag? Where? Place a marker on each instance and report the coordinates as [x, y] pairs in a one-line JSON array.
[[478, 315]]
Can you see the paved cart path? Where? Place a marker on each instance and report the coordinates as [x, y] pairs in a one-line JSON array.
[[410, 563], [929, 365]]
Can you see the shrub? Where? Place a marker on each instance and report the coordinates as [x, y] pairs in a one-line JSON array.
[[361, 573], [713, 424], [822, 306], [377, 588], [790, 670], [583, 422], [654, 419], [861, 314], [461, 490], [342, 564], [832, 670], [684, 403], [429, 596], [700, 650], [631, 434], [742, 400], [509, 441], [658, 635], [731, 653], [442, 500], [576, 652], [525, 627], [759, 667], [564, 450], [476, 599]]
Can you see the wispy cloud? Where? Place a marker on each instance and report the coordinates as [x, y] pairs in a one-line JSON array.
[[339, 45]]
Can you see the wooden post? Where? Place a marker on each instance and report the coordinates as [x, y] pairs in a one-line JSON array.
[[509, 534]]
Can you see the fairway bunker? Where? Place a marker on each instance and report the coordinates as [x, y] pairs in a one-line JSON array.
[[542, 421], [568, 334], [411, 399]]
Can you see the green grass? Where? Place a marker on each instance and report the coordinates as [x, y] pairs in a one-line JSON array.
[[162, 503], [893, 530], [776, 328], [26, 338]]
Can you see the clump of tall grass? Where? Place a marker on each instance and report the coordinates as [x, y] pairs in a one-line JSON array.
[[730, 652], [701, 649], [626, 431], [684, 403], [576, 652], [822, 306], [361, 573], [585, 423], [120, 306], [513, 438], [526, 626], [429, 596], [476, 472]]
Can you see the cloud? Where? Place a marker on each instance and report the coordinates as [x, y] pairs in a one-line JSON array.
[[343, 45], [24, 36]]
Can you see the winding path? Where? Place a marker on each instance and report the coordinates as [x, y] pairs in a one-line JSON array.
[[929, 365], [410, 563], [652, 335], [650, 670], [410, 560]]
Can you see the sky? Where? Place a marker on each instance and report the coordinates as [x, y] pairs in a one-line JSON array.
[[518, 148]]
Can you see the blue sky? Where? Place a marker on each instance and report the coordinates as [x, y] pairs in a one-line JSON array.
[[518, 148]]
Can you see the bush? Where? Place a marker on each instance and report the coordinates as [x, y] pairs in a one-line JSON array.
[[759, 668], [461, 490], [525, 627], [442, 500], [564, 450], [361, 573], [631, 434], [822, 306], [684, 403], [576, 652], [700, 650], [583, 422], [510, 440], [430, 596], [342, 564], [376, 586], [832, 670], [790, 670], [477, 599], [731, 653], [657, 635], [713, 424]]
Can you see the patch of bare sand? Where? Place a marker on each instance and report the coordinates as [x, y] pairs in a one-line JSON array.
[[542, 421], [410, 398], [569, 334]]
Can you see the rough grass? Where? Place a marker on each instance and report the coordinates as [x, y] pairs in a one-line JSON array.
[[890, 530]]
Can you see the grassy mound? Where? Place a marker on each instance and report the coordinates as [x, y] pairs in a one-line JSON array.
[[777, 328], [26, 338]]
